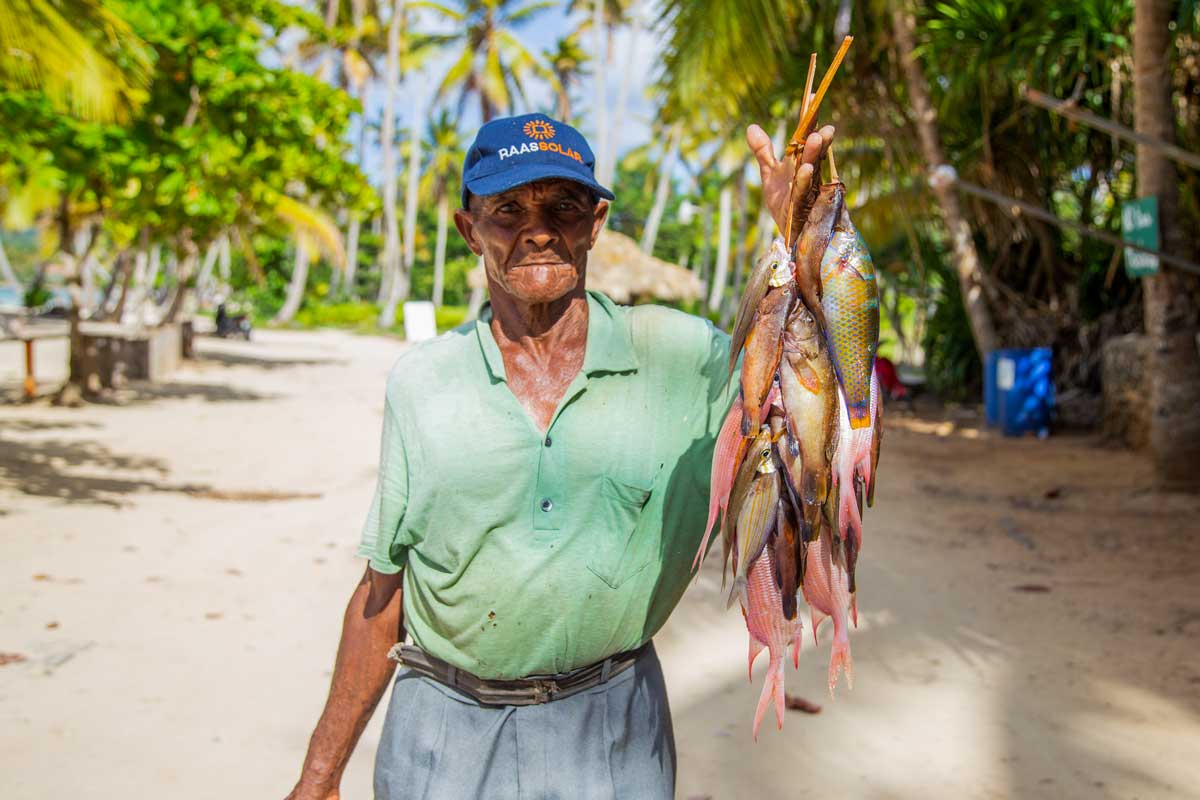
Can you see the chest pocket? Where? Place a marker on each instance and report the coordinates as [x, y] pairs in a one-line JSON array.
[[618, 551]]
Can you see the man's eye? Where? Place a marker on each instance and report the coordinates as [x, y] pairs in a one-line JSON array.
[[507, 208], [567, 205]]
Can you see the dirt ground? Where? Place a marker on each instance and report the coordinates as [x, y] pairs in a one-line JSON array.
[[173, 569]]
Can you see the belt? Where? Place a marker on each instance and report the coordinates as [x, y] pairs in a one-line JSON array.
[[534, 690]]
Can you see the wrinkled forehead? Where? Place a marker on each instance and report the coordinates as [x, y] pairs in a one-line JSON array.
[[536, 191]]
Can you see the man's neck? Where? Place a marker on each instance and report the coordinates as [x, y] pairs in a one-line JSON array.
[[538, 329]]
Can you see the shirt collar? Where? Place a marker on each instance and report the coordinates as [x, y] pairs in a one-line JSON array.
[[609, 343]]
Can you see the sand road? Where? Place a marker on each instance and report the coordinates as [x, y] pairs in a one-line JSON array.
[[174, 569]]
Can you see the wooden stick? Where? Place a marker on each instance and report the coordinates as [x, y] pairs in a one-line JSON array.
[[812, 70], [810, 113], [832, 164]]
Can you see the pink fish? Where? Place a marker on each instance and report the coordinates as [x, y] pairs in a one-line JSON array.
[[853, 461], [827, 589], [727, 454], [768, 628]]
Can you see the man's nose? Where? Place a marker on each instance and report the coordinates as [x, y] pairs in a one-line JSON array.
[[541, 232]]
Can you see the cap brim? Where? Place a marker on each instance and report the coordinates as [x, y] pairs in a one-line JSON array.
[[502, 182]]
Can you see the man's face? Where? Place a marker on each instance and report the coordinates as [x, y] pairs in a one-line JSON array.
[[534, 238]]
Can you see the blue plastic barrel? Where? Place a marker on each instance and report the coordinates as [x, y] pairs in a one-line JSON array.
[[1022, 391], [991, 405]]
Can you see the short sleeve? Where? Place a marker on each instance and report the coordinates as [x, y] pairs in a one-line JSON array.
[[381, 543]]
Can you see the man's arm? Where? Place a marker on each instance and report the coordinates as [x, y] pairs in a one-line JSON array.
[[372, 624]]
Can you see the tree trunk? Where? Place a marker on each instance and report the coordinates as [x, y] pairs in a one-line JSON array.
[[7, 274], [410, 203], [662, 191], [721, 273], [295, 293], [131, 277], [349, 290], [970, 273], [705, 248], [1173, 366], [439, 254], [183, 274], [739, 252], [618, 117], [601, 75], [391, 241]]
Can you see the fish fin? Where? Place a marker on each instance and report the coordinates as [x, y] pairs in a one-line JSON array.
[[854, 609], [839, 659], [747, 423], [860, 416], [737, 591], [756, 647], [808, 378], [772, 691], [817, 619], [796, 640]]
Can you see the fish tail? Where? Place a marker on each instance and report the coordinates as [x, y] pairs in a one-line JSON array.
[[772, 691], [796, 640], [748, 420], [859, 413]]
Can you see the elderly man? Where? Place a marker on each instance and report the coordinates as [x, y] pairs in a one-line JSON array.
[[542, 488]]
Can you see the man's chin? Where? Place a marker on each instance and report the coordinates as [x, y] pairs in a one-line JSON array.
[[541, 283]]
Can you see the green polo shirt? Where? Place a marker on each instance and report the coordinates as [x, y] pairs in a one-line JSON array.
[[532, 553]]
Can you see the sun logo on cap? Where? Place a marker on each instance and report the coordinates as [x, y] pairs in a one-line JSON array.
[[539, 129]]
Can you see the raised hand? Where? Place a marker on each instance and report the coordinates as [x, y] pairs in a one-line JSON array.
[[777, 173]]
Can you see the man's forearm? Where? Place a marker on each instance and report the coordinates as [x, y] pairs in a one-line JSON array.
[[372, 624]]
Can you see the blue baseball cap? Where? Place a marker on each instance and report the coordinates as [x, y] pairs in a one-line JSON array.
[[514, 151]]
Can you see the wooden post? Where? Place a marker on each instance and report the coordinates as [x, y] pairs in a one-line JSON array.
[[30, 383]]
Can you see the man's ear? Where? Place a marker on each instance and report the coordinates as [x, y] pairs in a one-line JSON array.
[[466, 228], [601, 214]]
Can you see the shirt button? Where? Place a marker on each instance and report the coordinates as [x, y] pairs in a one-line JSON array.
[[549, 441], [547, 504]]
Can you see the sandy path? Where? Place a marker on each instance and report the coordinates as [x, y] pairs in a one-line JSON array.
[[178, 640]]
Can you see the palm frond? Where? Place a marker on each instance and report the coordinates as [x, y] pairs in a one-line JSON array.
[[68, 50], [314, 226]]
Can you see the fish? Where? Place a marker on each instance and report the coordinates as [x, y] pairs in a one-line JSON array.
[[758, 448], [826, 588], [788, 550], [876, 438], [768, 628], [757, 284], [813, 242], [810, 397], [850, 301], [764, 347], [852, 446], [727, 455], [755, 522]]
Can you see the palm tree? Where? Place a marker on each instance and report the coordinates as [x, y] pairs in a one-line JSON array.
[[446, 155], [662, 190], [493, 64], [566, 60], [51, 46], [970, 273], [1172, 368], [313, 230], [395, 279]]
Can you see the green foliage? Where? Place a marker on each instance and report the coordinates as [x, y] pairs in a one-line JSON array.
[[363, 317], [952, 365]]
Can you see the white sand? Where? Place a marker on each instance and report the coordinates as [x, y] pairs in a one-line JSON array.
[[179, 645]]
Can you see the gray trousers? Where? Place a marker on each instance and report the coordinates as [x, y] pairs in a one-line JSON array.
[[611, 741]]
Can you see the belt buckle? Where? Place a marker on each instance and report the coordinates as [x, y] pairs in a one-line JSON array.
[[544, 691]]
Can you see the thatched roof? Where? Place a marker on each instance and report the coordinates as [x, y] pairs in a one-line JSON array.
[[618, 268]]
